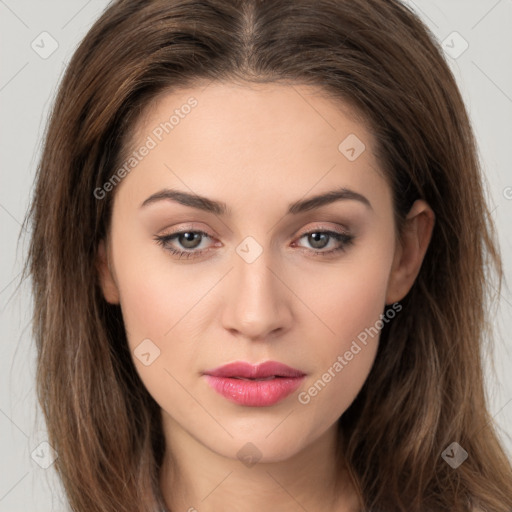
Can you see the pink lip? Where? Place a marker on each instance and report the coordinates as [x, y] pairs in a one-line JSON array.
[[230, 381]]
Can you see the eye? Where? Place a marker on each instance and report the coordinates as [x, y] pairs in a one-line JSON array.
[[190, 240], [319, 239]]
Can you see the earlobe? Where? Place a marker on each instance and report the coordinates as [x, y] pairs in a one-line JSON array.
[[106, 278], [410, 251]]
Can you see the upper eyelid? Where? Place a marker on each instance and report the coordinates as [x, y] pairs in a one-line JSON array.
[[299, 234]]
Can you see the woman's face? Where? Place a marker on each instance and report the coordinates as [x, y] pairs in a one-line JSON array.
[[267, 273]]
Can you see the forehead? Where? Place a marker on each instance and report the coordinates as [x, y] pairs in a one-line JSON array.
[[252, 139], [226, 108]]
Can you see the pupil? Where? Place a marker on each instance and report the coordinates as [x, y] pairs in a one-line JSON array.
[[189, 240], [316, 237]]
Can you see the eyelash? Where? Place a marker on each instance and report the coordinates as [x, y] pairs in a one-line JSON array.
[[345, 239]]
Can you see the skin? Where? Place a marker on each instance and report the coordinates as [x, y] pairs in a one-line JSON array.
[[257, 149]]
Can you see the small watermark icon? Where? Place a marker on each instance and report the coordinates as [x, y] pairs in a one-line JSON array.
[[249, 455], [507, 193], [454, 45], [44, 45], [351, 147], [249, 249], [44, 455], [146, 352], [455, 455]]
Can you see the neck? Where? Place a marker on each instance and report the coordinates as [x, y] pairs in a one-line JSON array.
[[195, 478]]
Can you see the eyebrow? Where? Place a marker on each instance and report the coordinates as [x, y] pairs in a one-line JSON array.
[[220, 208]]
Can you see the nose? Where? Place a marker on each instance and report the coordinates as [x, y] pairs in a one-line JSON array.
[[257, 301]]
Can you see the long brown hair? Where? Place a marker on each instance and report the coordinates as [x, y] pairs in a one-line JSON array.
[[425, 390]]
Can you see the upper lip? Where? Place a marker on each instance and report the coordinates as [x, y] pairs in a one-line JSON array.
[[251, 371]]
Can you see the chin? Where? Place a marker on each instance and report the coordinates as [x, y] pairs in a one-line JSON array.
[[262, 445]]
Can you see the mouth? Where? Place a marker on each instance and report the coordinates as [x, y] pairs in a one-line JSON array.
[[248, 371], [260, 379], [250, 385]]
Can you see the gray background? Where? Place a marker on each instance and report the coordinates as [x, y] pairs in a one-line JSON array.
[[27, 86]]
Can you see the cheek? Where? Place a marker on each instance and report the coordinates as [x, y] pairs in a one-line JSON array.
[[351, 304], [360, 299], [158, 312], [350, 298], [149, 304], [147, 317], [157, 296], [163, 303]]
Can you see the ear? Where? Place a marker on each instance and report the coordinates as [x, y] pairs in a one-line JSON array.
[[107, 282], [410, 251]]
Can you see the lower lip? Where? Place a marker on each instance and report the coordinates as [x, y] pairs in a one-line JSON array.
[[254, 393]]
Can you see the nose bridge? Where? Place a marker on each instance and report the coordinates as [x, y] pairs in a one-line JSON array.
[[256, 302]]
